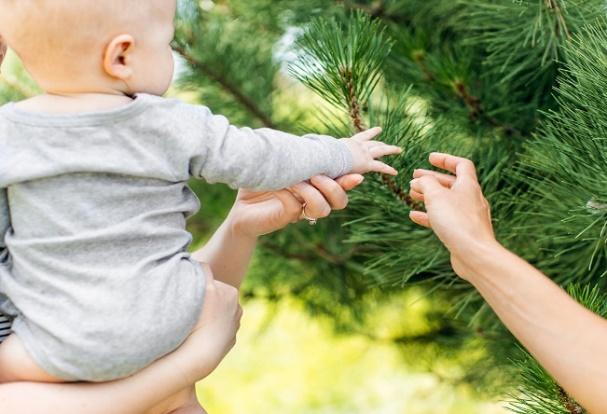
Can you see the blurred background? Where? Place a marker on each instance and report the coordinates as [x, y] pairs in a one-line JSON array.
[[362, 313]]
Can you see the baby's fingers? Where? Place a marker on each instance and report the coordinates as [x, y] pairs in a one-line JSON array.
[[421, 218], [367, 135], [379, 149], [380, 167]]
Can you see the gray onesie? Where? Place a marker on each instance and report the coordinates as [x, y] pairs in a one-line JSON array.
[[94, 265]]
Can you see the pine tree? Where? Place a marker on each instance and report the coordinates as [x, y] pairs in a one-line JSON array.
[[516, 85]]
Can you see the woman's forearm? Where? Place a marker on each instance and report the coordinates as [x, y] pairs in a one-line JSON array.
[[566, 338], [228, 253], [133, 395]]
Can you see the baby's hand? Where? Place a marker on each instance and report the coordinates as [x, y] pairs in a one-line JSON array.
[[365, 152]]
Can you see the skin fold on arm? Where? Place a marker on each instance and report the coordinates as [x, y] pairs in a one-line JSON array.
[[566, 338]]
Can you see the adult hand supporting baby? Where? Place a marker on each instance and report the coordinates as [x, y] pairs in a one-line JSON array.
[[259, 213], [566, 338], [255, 214]]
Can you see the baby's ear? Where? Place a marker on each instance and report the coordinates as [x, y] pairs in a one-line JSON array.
[[116, 60], [3, 49]]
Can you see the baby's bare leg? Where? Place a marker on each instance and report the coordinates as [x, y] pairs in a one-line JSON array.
[[16, 364]]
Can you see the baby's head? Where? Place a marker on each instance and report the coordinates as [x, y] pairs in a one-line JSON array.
[[93, 46]]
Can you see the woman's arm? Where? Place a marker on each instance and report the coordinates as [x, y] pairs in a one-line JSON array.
[[211, 339], [132, 395], [567, 339], [254, 214]]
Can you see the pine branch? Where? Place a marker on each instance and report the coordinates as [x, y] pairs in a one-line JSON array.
[[225, 83], [343, 64], [375, 10], [473, 104], [358, 123], [419, 57], [561, 24], [353, 102], [570, 405], [476, 109]]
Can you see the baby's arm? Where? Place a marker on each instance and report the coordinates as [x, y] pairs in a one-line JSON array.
[[266, 159]]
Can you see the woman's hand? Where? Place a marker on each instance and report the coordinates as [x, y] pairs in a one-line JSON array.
[[456, 209], [215, 333], [258, 213], [254, 214], [568, 340]]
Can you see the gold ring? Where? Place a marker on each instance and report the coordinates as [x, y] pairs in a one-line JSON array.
[[311, 221]]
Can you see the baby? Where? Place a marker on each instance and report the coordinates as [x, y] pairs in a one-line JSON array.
[[94, 266]]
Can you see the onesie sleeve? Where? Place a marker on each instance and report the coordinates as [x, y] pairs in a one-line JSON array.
[[4, 226], [263, 159]]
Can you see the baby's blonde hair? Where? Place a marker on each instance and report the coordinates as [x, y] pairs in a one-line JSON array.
[[62, 35]]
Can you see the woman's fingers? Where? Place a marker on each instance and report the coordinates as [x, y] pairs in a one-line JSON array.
[[350, 181], [335, 195], [419, 197], [367, 135], [316, 204], [421, 218], [292, 206], [455, 165], [426, 184], [445, 179]]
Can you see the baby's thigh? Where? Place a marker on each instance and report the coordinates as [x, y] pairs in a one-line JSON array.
[[17, 365]]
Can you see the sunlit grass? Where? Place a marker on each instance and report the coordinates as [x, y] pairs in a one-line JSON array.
[[286, 362]]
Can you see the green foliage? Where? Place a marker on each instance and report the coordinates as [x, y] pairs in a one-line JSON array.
[[518, 86], [524, 40], [486, 78], [221, 68], [566, 205], [342, 62]]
